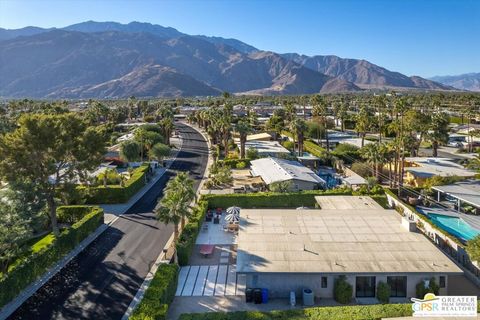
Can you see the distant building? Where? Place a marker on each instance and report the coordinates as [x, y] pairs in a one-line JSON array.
[[273, 170], [285, 250], [267, 148], [418, 169]]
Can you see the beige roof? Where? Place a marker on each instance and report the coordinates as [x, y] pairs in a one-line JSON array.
[[357, 236]]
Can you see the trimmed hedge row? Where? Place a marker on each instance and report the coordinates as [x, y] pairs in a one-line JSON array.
[[313, 148], [270, 199], [159, 294], [116, 193], [186, 242], [38, 263], [232, 163], [370, 312], [72, 214]]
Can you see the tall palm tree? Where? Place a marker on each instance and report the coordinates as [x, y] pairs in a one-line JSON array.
[[298, 128], [438, 134], [224, 127], [243, 128], [175, 204], [363, 123], [320, 109]]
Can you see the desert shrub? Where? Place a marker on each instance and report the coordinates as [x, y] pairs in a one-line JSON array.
[[342, 290], [421, 290], [383, 292], [241, 165]]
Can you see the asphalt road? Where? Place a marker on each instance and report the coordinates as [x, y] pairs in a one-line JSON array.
[[102, 280]]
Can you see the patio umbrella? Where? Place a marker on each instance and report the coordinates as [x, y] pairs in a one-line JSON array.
[[232, 217], [233, 210]]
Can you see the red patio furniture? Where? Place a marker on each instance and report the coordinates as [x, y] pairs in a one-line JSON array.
[[206, 249]]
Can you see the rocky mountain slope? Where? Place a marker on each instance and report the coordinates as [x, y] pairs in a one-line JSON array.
[[108, 59], [468, 81]]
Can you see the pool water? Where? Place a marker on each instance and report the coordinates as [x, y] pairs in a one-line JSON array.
[[454, 226]]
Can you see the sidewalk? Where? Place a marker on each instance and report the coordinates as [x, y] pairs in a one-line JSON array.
[[112, 213]]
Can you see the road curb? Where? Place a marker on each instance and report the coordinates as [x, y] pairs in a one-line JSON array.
[[30, 290], [146, 282]]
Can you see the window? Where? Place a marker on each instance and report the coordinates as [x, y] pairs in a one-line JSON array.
[[324, 282], [398, 286], [442, 282], [365, 287]]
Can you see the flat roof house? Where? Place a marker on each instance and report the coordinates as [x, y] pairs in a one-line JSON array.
[[418, 169], [287, 250], [267, 148], [464, 192], [273, 170]]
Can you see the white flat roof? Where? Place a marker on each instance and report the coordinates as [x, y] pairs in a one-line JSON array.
[[266, 147], [357, 142], [274, 170], [443, 167], [467, 191], [353, 235]]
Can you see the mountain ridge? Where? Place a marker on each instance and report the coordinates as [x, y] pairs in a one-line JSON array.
[[466, 81], [72, 62]]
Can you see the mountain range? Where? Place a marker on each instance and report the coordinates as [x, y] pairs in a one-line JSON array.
[[467, 81], [113, 60]]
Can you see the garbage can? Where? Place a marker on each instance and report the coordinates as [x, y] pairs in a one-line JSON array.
[[257, 296], [248, 295], [264, 295], [308, 298]]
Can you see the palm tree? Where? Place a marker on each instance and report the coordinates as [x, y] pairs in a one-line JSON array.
[[224, 127], [320, 109], [243, 128], [298, 128], [167, 126], [363, 123], [370, 153], [438, 134], [175, 204]]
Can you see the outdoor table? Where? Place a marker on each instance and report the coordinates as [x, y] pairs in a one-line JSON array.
[[206, 249]]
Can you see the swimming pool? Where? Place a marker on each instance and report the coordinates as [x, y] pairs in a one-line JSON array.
[[454, 226]]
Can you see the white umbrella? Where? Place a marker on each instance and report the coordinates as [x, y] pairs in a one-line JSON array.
[[232, 217], [233, 210]]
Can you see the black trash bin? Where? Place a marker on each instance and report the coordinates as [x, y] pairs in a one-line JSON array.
[[257, 296], [248, 295]]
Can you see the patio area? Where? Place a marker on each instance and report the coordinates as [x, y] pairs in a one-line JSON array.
[[217, 233]]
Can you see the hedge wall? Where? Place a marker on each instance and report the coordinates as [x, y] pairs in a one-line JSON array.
[[271, 200], [116, 193], [186, 242], [370, 312], [159, 294], [232, 163], [38, 263]]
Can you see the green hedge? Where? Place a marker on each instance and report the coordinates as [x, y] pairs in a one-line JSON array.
[[314, 149], [371, 312], [116, 193], [72, 214], [159, 294], [35, 265], [186, 242], [271, 200], [232, 163]]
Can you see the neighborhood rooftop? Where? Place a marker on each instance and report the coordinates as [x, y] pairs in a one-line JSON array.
[[467, 191], [266, 147], [273, 170], [429, 167], [348, 235]]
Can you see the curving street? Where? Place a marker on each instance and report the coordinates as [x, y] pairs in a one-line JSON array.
[[103, 279]]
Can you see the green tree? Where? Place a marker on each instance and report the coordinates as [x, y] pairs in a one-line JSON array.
[[159, 151], [438, 134], [281, 186], [130, 151], [383, 292], [276, 124], [363, 123], [342, 290], [473, 248], [49, 151], [252, 153], [298, 128], [243, 128], [174, 207]]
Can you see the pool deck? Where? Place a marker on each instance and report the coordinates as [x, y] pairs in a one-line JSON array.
[[473, 221]]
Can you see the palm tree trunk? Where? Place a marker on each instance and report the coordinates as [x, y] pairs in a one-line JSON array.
[[182, 223], [175, 233], [242, 147], [52, 208]]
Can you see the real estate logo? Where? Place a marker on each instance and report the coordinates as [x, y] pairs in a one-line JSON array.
[[445, 306]]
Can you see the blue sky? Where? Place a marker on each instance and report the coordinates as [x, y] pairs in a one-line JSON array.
[[415, 37]]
